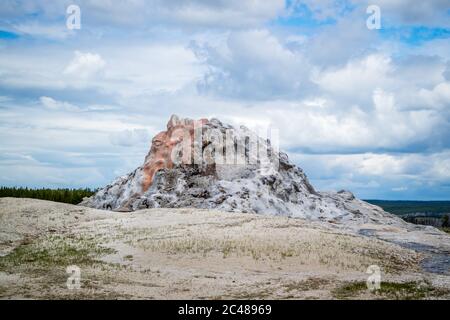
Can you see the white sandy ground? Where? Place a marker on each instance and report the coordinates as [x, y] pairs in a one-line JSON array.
[[203, 254]]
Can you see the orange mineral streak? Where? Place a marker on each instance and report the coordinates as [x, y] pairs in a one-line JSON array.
[[160, 155]]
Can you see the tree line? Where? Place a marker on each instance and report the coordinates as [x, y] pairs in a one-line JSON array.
[[66, 195], [442, 221], [401, 207]]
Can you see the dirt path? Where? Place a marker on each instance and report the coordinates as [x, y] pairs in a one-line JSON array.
[[191, 253]]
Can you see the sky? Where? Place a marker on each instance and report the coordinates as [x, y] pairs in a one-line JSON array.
[[358, 108]]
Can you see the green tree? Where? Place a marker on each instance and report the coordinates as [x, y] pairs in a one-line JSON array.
[[73, 196], [445, 221]]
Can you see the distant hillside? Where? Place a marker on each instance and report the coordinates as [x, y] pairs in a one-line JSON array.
[[429, 208]]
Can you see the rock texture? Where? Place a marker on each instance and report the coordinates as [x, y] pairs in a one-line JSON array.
[[272, 185]]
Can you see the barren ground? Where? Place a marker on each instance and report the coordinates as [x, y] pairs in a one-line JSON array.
[[202, 254]]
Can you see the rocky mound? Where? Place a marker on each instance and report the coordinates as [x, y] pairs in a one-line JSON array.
[[208, 164]]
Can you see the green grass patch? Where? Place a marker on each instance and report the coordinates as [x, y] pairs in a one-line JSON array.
[[41, 265], [53, 251]]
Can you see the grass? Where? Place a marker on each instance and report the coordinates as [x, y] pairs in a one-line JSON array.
[[291, 289], [306, 285], [45, 261], [311, 248], [53, 251], [258, 294], [391, 290]]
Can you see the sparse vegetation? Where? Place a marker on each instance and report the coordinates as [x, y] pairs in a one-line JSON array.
[[306, 285], [187, 253], [333, 251], [45, 259], [256, 294], [53, 251], [390, 290], [72, 196]]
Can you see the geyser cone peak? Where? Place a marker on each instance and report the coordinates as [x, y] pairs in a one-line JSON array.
[[207, 164]]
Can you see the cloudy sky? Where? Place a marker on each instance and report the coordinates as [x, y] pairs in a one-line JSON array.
[[361, 109]]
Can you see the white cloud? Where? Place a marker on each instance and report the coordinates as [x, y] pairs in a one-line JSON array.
[[53, 104], [127, 138], [430, 167], [47, 176], [331, 89], [150, 69], [254, 64], [412, 12], [358, 78], [35, 29], [399, 189], [372, 102], [438, 97], [139, 69], [85, 65], [379, 175], [4, 99], [47, 8], [324, 125], [432, 13], [321, 9], [185, 14], [231, 13]]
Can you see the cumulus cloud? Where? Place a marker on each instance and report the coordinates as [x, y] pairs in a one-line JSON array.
[[254, 64], [356, 108], [358, 78], [127, 138], [409, 175], [371, 103], [317, 126], [85, 65], [437, 98]]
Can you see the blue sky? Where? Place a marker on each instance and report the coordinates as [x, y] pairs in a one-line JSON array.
[[357, 109]]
